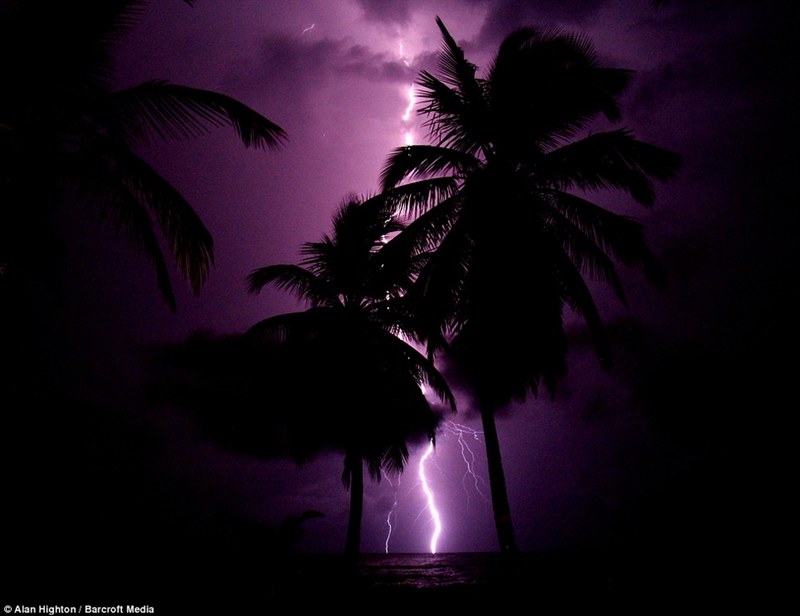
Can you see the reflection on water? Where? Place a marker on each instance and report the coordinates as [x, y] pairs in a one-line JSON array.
[[437, 570], [561, 579]]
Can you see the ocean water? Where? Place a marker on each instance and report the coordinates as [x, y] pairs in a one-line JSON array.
[[325, 580], [556, 582], [456, 579], [478, 571], [439, 570]]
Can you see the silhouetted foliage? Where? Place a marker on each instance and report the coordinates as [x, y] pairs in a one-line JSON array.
[[67, 137], [354, 384], [225, 383], [513, 244]]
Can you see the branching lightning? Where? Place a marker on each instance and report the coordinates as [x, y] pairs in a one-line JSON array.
[[392, 512], [437, 522], [464, 434]]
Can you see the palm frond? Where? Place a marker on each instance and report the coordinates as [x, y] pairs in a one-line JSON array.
[[392, 461], [583, 249], [610, 160], [282, 328], [577, 295], [426, 231], [405, 357], [438, 292], [415, 198], [457, 71], [440, 99], [390, 275], [300, 282], [621, 237], [456, 105], [546, 86], [455, 120], [422, 160], [158, 109], [393, 315], [116, 18], [360, 223], [115, 201], [189, 241]]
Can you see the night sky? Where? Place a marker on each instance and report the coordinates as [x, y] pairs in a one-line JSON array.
[[670, 446]]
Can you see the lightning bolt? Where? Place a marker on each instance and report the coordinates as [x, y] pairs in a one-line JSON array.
[[309, 29], [407, 115], [409, 137], [464, 434], [437, 522], [392, 512]]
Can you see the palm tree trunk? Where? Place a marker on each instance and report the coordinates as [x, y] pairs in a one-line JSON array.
[[354, 467], [497, 482]]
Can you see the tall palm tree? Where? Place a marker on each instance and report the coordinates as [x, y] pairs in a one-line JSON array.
[[67, 136], [362, 390], [496, 195]]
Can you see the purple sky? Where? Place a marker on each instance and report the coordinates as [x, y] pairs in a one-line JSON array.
[[712, 83]]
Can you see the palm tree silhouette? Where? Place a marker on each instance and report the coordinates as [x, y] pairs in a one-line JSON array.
[[66, 136], [513, 245], [362, 383]]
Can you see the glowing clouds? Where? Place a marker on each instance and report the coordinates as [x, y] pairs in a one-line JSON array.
[[409, 137]]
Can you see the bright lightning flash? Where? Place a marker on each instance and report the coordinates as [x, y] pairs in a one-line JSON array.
[[464, 434], [392, 513], [407, 115], [411, 102], [437, 522]]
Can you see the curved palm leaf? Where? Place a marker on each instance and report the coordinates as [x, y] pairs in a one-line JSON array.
[[570, 88], [295, 279], [456, 70], [456, 106], [115, 199], [120, 179], [283, 328], [405, 359], [436, 296], [609, 160], [588, 257], [417, 197], [423, 234], [169, 111], [577, 295], [421, 160], [620, 236], [189, 241]]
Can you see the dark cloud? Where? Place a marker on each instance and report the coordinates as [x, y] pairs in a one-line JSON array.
[[387, 11], [282, 65], [505, 16], [359, 60], [289, 66]]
